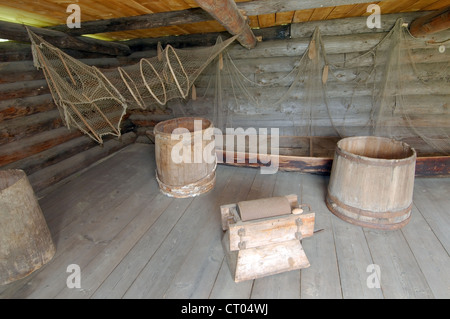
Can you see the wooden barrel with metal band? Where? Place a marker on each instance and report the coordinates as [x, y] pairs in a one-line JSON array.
[[372, 181]]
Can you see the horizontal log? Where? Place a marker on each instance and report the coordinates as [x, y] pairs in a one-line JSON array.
[[271, 94], [333, 44], [353, 25], [53, 155], [260, 7], [162, 19], [436, 166], [148, 120], [204, 39], [147, 21], [22, 127], [26, 71], [345, 26], [34, 144], [19, 71], [12, 51], [273, 76], [53, 174], [18, 32], [15, 108], [431, 23], [22, 89]]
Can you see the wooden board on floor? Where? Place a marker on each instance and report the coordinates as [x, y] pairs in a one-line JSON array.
[[132, 241]]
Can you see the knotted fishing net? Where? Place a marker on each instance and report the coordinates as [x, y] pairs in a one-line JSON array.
[[398, 89], [95, 101]]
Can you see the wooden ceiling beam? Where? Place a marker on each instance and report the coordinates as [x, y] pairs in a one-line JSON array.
[[164, 19], [228, 15], [146, 21], [18, 32], [431, 23]]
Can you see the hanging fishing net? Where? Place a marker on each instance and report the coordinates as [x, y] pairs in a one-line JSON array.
[[398, 89], [95, 102]]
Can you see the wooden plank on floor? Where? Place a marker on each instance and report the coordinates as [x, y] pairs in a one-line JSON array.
[[78, 192], [429, 253], [150, 204], [400, 275], [199, 270], [285, 285], [153, 280], [82, 239], [354, 261], [124, 274], [225, 288], [431, 196], [321, 279]]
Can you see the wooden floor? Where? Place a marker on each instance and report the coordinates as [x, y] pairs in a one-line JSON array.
[[130, 241]]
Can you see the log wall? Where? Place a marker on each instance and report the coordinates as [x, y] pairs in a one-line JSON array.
[[32, 134], [33, 137]]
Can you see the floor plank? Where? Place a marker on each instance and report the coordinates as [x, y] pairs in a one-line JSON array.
[[285, 285], [124, 274], [321, 280], [429, 253], [166, 261], [131, 241], [198, 272], [80, 239], [431, 197], [401, 277]]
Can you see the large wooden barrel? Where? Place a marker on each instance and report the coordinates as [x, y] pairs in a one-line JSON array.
[[372, 181], [185, 156], [25, 241]]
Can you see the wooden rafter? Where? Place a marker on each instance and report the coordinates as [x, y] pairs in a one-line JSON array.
[[18, 32], [431, 23], [228, 15], [171, 18]]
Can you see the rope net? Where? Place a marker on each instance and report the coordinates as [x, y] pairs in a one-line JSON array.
[[95, 102], [397, 89]]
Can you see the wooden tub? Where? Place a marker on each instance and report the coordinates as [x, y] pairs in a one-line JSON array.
[[185, 157], [371, 182]]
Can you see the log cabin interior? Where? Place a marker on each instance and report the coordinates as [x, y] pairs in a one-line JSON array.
[[343, 111]]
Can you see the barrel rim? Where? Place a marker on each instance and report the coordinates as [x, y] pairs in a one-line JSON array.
[[372, 160], [157, 129]]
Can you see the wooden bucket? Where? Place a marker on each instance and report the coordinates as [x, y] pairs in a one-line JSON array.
[[372, 181], [25, 241], [185, 156]]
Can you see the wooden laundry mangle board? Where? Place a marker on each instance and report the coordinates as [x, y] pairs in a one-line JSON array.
[[266, 246]]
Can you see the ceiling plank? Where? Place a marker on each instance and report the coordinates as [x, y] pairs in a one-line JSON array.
[[170, 18], [18, 32]]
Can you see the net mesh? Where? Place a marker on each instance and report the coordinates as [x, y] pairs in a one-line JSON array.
[[95, 102], [397, 89]]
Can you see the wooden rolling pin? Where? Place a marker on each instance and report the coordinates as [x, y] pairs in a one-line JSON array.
[[263, 208]]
